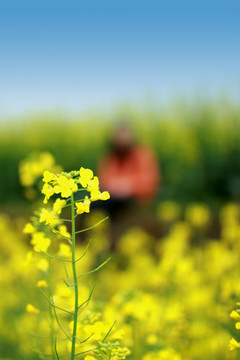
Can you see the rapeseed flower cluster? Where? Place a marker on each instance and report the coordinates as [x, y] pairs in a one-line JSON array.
[[67, 183], [46, 225], [81, 332]]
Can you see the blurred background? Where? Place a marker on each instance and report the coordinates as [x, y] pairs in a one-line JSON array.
[[71, 71], [75, 74]]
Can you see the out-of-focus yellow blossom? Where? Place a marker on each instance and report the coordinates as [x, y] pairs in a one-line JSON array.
[[98, 330], [85, 176], [31, 309], [233, 344], [47, 160], [42, 283], [134, 240], [64, 250], [152, 339], [235, 315], [34, 165], [28, 229], [162, 355], [62, 291], [90, 357], [237, 325], [40, 242], [230, 214], [47, 216], [83, 206], [198, 214], [43, 265], [65, 186], [118, 335], [63, 231], [28, 258], [169, 211], [58, 205]]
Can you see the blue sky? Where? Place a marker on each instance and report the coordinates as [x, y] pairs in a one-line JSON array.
[[75, 55]]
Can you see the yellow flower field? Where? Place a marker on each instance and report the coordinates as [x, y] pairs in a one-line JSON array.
[[166, 298]]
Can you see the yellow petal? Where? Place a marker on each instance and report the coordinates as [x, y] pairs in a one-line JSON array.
[[63, 181]]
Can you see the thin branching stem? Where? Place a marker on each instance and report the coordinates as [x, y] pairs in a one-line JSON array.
[[55, 349], [105, 337], [53, 305], [60, 325], [94, 270], [55, 257], [75, 282], [86, 351], [85, 251], [91, 227], [88, 299], [65, 268], [58, 233]]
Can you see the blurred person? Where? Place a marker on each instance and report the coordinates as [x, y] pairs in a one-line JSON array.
[[129, 171], [131, 174]]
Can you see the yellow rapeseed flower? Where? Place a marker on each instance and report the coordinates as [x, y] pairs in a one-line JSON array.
[[58, 205], [235, 315], [49, 217], [85, 176], [64, 250], [98, 195], [43, 265], [31, 309], [65, 186], [48, 191], [48, 176], [93, 185], [233, 344], [28, 259], [40, 242], [83, 206], [63, 230], [28, 229], [42, 284]]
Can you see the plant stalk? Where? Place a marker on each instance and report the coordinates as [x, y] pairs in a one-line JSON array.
[[75, 281]]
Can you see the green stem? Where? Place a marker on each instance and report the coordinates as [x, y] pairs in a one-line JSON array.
[[51, 316], [75, 281]]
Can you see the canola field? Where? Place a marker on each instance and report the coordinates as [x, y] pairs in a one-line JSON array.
[[170, 296], [170, 299]]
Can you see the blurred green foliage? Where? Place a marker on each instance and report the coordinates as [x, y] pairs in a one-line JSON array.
[[197, 144]]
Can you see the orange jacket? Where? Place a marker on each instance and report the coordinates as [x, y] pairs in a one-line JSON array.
[[136, 175]]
